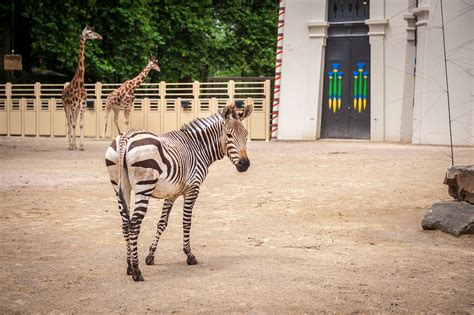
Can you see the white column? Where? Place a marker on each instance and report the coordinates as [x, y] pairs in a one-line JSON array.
[[406, 127], [377, 78], [301, 70], [314, 97], [422, 14]]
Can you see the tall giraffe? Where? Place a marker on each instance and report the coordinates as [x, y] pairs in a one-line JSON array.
[[74, 93], [124, 95]]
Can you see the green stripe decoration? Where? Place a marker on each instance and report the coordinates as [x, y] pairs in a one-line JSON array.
[[360, 96], [330, 89], [339, 90], [334, 87], [356, 76], [365, 74]]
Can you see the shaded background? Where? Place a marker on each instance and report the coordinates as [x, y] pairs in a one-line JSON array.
[[193, 39]]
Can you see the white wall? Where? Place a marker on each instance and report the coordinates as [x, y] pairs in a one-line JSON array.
[[301, 71], [430, 121], [399, 71], [403, 108]]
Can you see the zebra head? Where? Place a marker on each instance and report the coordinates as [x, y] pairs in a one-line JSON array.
[[88, 33], [235, 136]]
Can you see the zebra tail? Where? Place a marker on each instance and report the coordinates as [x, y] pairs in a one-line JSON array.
[[122, 172]]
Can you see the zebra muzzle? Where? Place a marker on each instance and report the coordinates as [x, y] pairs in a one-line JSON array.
[[242, 165]]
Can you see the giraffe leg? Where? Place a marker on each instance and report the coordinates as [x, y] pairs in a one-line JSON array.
[[142, 196], [160, 228], [116, 116], [189, 200], [81, 124], [73, 130], [69, 127], [126, 115], [107, 113]]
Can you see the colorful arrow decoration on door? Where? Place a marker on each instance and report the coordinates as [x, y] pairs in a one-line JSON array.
[[335, 87], [360, 80]]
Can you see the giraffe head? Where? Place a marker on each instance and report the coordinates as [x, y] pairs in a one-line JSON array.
[[153, 64], [234, 138], [88, 33]]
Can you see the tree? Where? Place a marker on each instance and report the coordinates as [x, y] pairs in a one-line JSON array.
[[128, 36], [192, 39]]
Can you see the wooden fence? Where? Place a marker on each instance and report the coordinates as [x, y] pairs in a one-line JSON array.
[[36, 109]]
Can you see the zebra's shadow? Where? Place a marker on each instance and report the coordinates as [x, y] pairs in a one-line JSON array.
[[209, 265]]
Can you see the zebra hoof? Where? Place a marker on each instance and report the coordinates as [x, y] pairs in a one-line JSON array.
[[191, 260], [150, 260], [129, 270], [137, 276]]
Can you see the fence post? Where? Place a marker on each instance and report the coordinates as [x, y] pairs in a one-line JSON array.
[[8, 94], [98, 106], [37, 105], [22, 107], [266, 109], [196, 88], [231, 91], [162, 92]]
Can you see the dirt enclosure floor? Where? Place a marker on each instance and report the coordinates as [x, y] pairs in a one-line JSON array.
[[312, 226]]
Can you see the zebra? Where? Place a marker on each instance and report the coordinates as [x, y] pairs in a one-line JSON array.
[[168, 166]]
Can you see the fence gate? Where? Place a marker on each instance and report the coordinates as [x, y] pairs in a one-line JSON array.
[[346, 97]]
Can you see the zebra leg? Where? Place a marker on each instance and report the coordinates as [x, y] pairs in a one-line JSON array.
[[125, 215], [160, 228], [141, 205], [189, 200]]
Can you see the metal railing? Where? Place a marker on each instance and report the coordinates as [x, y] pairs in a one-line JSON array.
[[37, 110]]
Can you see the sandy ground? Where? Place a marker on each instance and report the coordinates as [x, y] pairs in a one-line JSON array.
[[312, 226]]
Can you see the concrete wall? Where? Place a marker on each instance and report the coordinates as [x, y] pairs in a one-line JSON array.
[[402, 109], [302, 68], [399, 71], [430, 120]]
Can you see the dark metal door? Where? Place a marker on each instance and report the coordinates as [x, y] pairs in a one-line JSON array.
[[346, 96]]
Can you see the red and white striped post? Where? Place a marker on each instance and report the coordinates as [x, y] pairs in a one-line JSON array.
[[279, 52]]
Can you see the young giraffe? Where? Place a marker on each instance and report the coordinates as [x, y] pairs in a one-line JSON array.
[[74, 94], [124, 96]]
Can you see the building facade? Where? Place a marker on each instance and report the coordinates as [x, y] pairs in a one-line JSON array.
[[356, 69]]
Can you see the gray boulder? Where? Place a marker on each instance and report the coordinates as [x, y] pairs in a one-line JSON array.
[[460, 180], [454, 217]]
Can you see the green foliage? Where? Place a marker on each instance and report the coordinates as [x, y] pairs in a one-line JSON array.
[[192, 39]]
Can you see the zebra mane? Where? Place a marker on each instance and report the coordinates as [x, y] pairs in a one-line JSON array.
[[202, 123]]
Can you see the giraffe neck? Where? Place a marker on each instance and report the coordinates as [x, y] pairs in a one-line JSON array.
[[79, 76], [141, 77]]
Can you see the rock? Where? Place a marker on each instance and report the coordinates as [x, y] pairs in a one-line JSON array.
[[454, 217], [460, 180]]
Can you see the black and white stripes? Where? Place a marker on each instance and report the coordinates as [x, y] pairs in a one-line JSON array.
[[168, 166]]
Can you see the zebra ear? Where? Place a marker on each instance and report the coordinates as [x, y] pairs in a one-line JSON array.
[[228, 111], [246, 112]]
